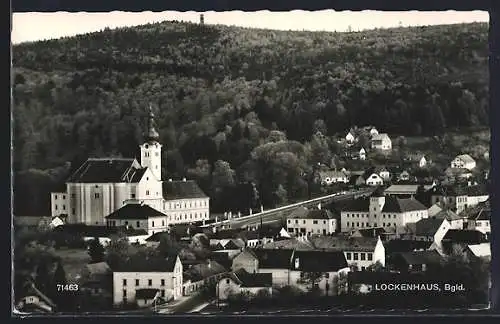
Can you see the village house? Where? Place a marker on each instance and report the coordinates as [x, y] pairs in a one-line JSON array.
[[458, 198], [240, 282], [456, 222], [478, 217], [141, 281], [457, 174], [245, 260], [415, 261], [350, 138], [404, 176], [292, 267], [255, 238], [306, 222], [200, 276], [482, 250], [380, 210], [374, 180], [457, 239], [360, 252], [101, 186], [381, 142], [429, 229], [463, 161], [139, 216], [434, 209], [373, 132], [331, 177]]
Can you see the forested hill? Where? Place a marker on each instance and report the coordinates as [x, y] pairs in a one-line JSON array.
[[219, 91]]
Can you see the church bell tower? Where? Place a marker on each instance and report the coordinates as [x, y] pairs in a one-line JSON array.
[[151, 149]]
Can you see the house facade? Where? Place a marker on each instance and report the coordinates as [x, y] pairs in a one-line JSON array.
[[306, 222], [374, 180], [141, 276], [242, 282], [463, 161], [139, 216], [101, 186], [381, 142], [458, 198], [331, 177]]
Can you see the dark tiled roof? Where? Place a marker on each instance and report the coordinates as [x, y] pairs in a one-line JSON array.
[[371, 232], [304, 213], [289, 244], [319, 261], [394, 246], [361, 205], [274, 259], [204, 270], [156, 236], [464, 236], [224, 234], [255, 280], [145, 293], [476, 190], [135, 211], [97, 230], [111, 170], [338, 243], [421, 257], [427, 226], [401, 205], [182, 190], [147, 264], [447, 214]]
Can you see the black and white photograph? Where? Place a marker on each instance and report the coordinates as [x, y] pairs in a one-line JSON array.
[[250, 163]]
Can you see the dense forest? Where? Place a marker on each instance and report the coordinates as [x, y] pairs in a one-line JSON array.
[[235, 105]]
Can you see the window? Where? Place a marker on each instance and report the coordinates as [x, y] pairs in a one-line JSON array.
[[315, 222], [138, 224], [370, 256], [150, 282], [296, 221], [55, 196], [124, 282], [324, 222], [357, 224], [57, 207], [147, 192], [137, 282], [132, 195], [363, 256], [348, 255], [304, 221], [355, 256], [64, 196], [289, 221], [162, 223], [153, 224], [96, 195], [347, 224], [124, 293], [227, 281], [163, 282], [64, 207]]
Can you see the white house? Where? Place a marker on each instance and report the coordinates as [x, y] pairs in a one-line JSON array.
[[389, 212], [100, 186], [463, 161], [459, 198], [360, 252], [141, 280], [306, 222], [350, 138], [242, 282], [138, 216], [479, 217], [422, 163], [430, 230], [362, 154], [374, 180], [331, 177], [381, 142]]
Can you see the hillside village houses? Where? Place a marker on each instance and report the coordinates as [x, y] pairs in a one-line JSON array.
[[329, 177], [463, 161], [381, 142], [374, 180], [101, 186]]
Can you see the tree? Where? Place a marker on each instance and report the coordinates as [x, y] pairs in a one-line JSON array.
[[168, 245], [118, 250], [222, 176], [96, 251], [311, 278]]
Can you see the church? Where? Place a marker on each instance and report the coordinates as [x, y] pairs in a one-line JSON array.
[[103, 186]]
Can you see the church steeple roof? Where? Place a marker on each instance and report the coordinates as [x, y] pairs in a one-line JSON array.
[[152, 134]]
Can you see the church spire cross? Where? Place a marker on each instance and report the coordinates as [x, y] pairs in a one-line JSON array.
[[152, 133]]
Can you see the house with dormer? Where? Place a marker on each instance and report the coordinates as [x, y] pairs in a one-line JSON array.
[[463, 161]]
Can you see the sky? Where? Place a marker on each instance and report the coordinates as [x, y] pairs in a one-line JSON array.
[[39, 26]]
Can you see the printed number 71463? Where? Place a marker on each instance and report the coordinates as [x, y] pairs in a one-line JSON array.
[[67, 287]]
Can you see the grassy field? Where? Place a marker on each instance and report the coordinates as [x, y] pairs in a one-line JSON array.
[[73, 262]]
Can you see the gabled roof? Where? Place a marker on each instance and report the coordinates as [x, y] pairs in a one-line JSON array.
[[289, 244], [421, 257], [464, 236], [465, 158], [254, 280], [401, 205], [434, 209], [480, 250], [204, 270], [304, 213], [108, 170], [319, 261], [393, 246], [156, 236], [173, 190], [147, 264], [332, 174], [369, 232], [360, 204], [135, 211], [402, 188], [98, 230], [339, 243], [447, 214], [274, 258], [428, 226]]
